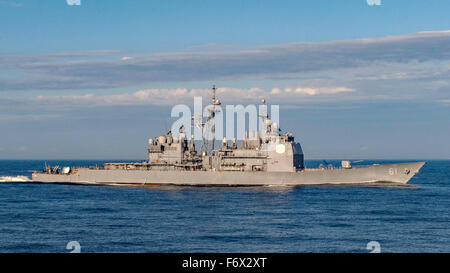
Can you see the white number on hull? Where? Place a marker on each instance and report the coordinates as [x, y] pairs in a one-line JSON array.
[[392, 171]]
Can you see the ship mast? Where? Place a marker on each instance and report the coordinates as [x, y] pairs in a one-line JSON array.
[[213, 115], [209, 123], [266, 123]]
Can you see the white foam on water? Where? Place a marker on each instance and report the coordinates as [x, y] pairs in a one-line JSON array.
[[19, 178]]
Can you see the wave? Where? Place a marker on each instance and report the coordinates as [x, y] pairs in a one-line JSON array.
[[19, 178]]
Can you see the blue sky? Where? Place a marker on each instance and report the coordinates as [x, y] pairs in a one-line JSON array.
[[96, 80], [46, 26]]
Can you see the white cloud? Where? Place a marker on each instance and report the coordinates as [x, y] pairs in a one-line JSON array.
[[318, 91], [275, 91], [184, 95]]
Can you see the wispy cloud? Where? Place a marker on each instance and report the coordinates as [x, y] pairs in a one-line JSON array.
[[24, 61], [212, 47], [288, 61], [14, 4], [14, 117], [183, 95]]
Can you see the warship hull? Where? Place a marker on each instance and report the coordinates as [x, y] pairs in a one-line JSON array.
[[395, 173]]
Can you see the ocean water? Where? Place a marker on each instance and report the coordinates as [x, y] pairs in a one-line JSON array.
[[46, 217]]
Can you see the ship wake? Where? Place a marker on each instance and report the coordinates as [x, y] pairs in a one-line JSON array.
[[19, 178]]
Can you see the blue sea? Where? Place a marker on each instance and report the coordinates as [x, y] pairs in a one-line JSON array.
[[46, 217]]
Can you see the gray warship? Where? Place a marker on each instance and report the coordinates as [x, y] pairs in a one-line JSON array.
[[264, 158]]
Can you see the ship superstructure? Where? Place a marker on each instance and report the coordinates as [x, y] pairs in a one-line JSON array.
[[266, 151]]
